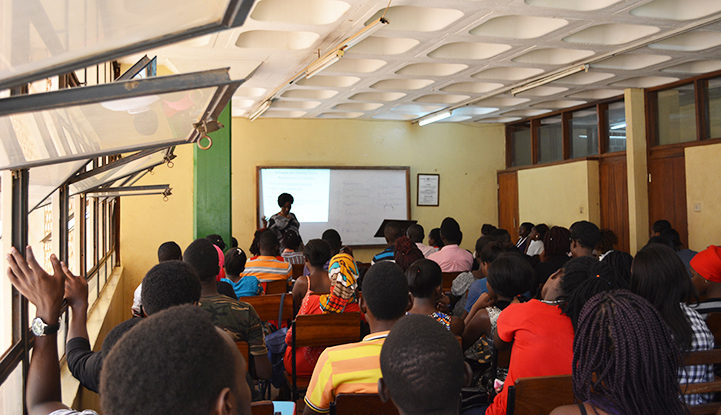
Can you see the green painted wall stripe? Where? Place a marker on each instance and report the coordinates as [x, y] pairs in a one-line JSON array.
[[212, 193]]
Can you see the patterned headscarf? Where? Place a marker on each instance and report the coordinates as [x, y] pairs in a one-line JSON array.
[[343, 274]]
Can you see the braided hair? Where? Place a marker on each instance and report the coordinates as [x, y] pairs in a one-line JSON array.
[[624, 358], [406, 252], [557, 241], [583, 278]]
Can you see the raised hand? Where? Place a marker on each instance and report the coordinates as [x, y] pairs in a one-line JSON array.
[[43, 290]]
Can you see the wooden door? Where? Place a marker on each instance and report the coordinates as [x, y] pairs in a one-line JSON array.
[[614, 199], [667, 192], [508, 203]]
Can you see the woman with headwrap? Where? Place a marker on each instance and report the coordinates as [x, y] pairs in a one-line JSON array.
[[340, 298]]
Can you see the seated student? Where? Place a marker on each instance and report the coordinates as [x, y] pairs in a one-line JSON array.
[[706, 270], [434, 238], [416, 234], [555, 254], [620, 262], [674, 239], [487, 254], [406, 253], [168, 251], [291, 243], [502, 236], [237, 318], [509, 276], [606, 243], [487, 228], [461, 286], [658, 275], [317, 254], [541, 332], [659, 226], [617, 320], [234, 266], [535, 246], [176, 354], [451, 257], [584, 238], [523, 232], [223, 287], [422, 367], [336, 246], [268, 266], [325, 294], [167, 284], [391, 232], [425, 282], [355, 367]]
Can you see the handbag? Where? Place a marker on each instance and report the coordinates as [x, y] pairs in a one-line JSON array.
[[275, 342]]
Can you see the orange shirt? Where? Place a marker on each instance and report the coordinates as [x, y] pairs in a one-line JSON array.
[[268, 268]]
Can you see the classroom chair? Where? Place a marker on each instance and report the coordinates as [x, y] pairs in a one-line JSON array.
[[361, 404], [448, 278], [713, 321], [539, 395], [276, 287], [703, 357], [245, 352]]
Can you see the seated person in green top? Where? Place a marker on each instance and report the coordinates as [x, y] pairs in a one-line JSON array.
[[348, 368], [237, 318], [423, 368]]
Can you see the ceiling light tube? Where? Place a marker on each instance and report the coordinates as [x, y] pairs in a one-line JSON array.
[[433, 118], [322, 63], [548, 79], [260, 110], [373, 27]]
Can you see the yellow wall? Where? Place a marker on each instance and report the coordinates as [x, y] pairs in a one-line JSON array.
[[466, 157], [559, 195], [702, 174]]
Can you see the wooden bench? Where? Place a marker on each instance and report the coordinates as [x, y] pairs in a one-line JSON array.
[[448, 278], [276, 287], [267, 306], [704, 357], [245, 352], [262, 408], [361, 404], [713, 321], [321, 330], [539, 395], [298, 270]]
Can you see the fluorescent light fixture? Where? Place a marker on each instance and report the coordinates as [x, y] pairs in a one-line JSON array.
[[373, 27], [260, 110], [324, 62], [433, 118], [550, 78], [619, 126]]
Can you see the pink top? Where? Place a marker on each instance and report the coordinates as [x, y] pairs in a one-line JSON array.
[[453, 258], [425, 249]]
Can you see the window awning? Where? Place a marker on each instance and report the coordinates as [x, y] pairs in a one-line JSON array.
[[55, 37], [119, 117], [117, 170]]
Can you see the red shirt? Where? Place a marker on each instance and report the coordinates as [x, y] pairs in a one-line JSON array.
[[542, 344]]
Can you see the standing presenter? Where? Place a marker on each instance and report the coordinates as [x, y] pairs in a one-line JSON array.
[[285, 219]]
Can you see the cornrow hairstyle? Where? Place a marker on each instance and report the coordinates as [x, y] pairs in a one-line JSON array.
[[620, 262], [170, 283], [317, 252], [235, 260], [173, 362], [424, 276], [510, 275], [422, 366], [583, 278], [406, 253], [557, 241], [385, 291], [659, 276], [624, 359]]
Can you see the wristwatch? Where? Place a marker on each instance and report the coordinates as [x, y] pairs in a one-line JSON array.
[[40, 328]]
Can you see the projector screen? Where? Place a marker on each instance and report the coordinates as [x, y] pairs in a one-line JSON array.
[[354, 200]]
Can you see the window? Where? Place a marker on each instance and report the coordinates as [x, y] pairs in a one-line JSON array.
[[584, 133], [714, 108], [676, 115], [550, 140], [521, 141], [616, 126]]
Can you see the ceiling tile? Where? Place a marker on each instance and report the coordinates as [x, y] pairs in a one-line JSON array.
[[553, 56], [377, 96], [501, 102], [441, 99], [526, 113], [468, 50], [456, 118], [245, 91], [695, 67], [356, 65], [508, 73], [394, 116], [585, 78], [564, 103], [543, 91], [242, 103], [358, 106], [473, 111], [309, 94], [576, 5], [375, 45], [273, 113], [307, 12], [501, 120], [677, 9], [402, 84], [689, 42], [597, 94], [611, 34], [301, 105], [416, 109], [519, 27], [276, 39], [329, 81], [472, 87], [631, 62], [418, 19], [432, 69], [645, 81], [341, 115]]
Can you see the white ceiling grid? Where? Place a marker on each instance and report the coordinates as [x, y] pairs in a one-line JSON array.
[[438, 54]]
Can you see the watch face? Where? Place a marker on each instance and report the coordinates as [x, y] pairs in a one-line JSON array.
[[38, 326]]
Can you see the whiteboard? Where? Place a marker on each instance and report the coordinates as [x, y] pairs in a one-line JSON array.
[[354, 200]]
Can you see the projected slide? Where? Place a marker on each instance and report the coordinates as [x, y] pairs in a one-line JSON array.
[[310, 189]]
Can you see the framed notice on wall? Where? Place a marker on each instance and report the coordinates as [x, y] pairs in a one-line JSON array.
[[428, 189]]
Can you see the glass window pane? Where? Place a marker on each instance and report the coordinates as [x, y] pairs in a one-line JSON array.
[[616, 127], [521, 139], [89, 240], [118, 172], [93, 289], [61, 335], [584, 133], [714, 108], [676, 112], [11, 393], [550, 140]]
